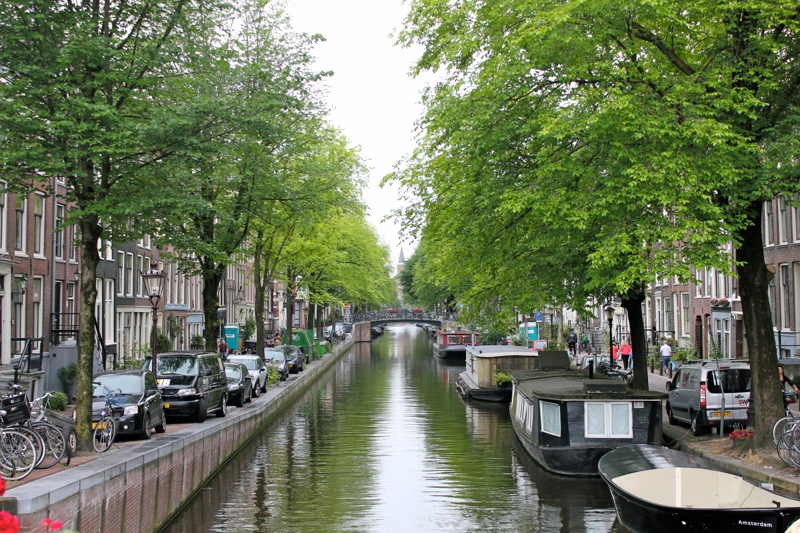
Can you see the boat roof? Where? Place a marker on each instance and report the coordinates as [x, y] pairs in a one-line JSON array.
[[575, 384], [500, 350]]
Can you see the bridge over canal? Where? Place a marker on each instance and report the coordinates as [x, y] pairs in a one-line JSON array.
[[362, 325]]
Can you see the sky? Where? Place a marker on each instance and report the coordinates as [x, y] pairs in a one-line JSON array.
[[374, 101]]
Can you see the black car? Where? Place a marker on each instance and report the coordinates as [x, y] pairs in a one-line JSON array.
[[192, 383], [240, 384], [274, 357], [295, 357], [136, 401]]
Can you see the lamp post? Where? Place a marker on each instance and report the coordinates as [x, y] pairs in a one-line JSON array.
[[610, 317], [153, 284]]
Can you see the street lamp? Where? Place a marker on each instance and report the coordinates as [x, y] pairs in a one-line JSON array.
[[154, 284], [610, 317]]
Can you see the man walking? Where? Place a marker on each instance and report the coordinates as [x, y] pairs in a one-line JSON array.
[[666, 357], [572, 342]]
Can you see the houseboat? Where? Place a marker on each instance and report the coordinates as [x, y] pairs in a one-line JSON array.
[[567, 421], [452, 344], [483, 363]]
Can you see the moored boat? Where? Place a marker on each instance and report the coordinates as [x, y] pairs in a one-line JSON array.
[[483, 364], [452, 344], [656, 489], [567, 421]]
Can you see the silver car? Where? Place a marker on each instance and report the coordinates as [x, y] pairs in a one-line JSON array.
[[704, 394], [257, 369]]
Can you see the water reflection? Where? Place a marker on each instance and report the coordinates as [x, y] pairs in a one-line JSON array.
[[384, 443]]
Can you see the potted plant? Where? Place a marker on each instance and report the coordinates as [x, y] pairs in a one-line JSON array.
[[502, 379]]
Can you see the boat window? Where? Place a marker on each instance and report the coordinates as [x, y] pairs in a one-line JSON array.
[[550, 415], [608, 420], [451, 339]]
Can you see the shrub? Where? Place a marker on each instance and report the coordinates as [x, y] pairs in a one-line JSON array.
[[58, 401], [66, 375], [502, 378]]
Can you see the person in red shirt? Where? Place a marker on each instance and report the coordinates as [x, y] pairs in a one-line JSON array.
[[626, 351], [614, 352]]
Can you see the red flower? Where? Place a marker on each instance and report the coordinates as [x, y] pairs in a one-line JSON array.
[[52, 525], [2, 486], [8, 523]]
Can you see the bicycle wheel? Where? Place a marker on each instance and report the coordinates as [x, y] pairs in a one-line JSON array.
[[17, 449], [35, 438], [104, 434], [55, 445], [781, 426]]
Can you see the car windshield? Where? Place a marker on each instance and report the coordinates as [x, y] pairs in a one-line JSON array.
[[171, 365], [127, 384], [251, 364], [233, 372]]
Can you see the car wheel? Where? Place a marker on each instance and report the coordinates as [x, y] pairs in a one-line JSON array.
[[256, 390], [147, 430], [223, 406], [162, 426], [202, 411], [697, 429], [671, 418], [240, 399]]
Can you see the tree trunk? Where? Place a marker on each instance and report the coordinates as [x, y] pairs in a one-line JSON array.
[[90, 234], [632, 303], [260, 278], [211, 280], [754, 278]]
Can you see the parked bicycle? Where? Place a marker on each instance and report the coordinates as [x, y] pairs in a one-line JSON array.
[[104, 429]]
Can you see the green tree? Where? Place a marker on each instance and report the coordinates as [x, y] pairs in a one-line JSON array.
[[637, 139], [84, 88]]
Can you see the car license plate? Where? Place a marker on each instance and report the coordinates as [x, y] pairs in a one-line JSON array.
[[96, 424], [166, 405], [717, 415]]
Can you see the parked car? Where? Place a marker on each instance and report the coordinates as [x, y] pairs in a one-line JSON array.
[[257, 369], [698, 392], [192, 383], [295, 357], [137, 404], [240, 384], [274, 357]]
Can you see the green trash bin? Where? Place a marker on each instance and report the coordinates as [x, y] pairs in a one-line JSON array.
[[320, 349]]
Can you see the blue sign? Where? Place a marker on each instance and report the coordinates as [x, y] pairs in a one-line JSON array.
[[538, 316]]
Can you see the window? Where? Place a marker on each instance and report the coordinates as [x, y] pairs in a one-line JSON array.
[[121, 273], [20, 226], [75, 242], [3, 201], [140, 264], [524, 413], [37, 309], [550, 415], [686, 323], [58, 238], [38, 224], [71, 319], [796, 219], [129, 274], [769, 224], [604, 420], [782, 219], [785, 298]]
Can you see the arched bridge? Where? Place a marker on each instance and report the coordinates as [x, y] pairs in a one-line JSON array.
[[362, 324]]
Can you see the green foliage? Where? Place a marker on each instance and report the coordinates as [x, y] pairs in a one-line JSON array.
[[163, 343], [273, 376], [197, 342], [66, 375], [501, 378], [249, 328], [58, 401]]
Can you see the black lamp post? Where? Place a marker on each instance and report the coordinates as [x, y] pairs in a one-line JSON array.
[[610, 317], [153, 284]]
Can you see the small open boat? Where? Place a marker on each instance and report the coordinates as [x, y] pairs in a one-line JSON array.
[[657, 489]]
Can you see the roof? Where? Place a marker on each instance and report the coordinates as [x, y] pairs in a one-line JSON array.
[[500, 350], [571, 385]]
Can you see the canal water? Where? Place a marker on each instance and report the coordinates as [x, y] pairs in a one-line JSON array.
[[384, 443]]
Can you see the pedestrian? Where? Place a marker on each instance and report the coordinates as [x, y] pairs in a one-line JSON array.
[[572, 342], [223, 348], [614, 353], [666, 356], [626, 350], [784, 382]]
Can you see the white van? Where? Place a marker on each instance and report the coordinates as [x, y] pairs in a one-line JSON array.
[[699, 391]]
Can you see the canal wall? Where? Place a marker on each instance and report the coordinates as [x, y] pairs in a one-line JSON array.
[[131, 489]]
